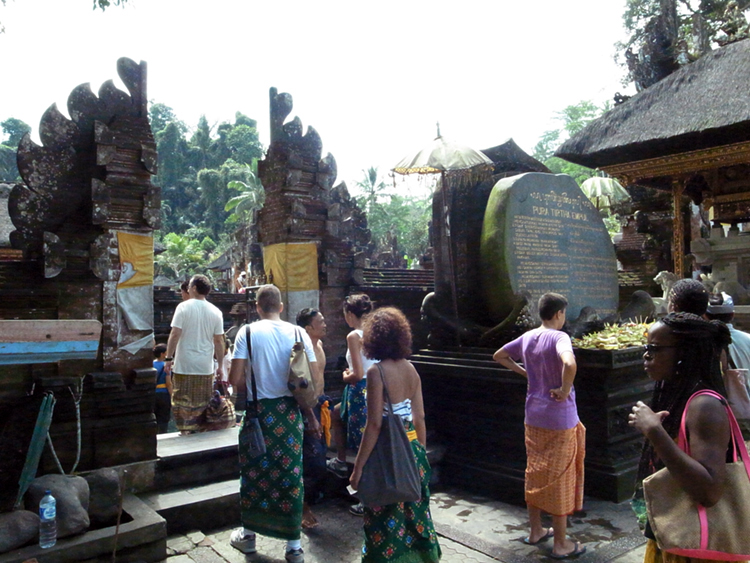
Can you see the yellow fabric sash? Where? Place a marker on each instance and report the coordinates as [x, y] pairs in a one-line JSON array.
[[325, 422]]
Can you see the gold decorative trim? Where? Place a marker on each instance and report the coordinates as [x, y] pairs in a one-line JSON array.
[[739, 197], [682, 163]]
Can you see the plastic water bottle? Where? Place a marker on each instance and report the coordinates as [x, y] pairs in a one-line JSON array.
[[48, 522]]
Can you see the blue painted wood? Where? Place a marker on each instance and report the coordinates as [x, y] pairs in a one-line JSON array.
[[45, 352], [48, 340], [48, 347]]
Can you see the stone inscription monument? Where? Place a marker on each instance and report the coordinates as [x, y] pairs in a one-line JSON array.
[[542, 234]]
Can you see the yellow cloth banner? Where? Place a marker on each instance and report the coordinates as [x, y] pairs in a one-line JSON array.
[[136, 260], [292, 266]]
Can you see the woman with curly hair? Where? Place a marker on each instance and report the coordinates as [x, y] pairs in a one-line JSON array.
[[682, 356], [402, 532]]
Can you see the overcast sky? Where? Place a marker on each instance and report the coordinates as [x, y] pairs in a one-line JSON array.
[[372, 78]]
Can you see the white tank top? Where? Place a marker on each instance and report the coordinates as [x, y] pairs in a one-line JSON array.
[[366, 362]]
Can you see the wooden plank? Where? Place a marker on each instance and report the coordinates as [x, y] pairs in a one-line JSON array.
[[49, 330], [44, 341]]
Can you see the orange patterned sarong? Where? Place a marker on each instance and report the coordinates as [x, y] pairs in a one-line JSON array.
[[554, 469]]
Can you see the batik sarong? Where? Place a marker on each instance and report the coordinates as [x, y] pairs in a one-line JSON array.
[[354, 413], [655, 555], [554, 468], [403, 532], [190, 396], [271, 489]]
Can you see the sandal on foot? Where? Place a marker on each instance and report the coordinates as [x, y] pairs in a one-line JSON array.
[[578, 549], [550, 532]]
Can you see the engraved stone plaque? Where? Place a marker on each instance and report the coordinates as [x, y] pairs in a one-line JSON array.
[[542, 234]]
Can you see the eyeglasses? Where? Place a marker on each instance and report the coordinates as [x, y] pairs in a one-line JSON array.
[[651, 349]]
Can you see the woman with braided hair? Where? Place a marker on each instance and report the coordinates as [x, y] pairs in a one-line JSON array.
[[682, 357]]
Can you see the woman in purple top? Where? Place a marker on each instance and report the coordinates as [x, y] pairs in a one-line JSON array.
[[555, 438]]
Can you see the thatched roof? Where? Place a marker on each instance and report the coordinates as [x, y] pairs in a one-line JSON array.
[[702, 105], [509, 157]]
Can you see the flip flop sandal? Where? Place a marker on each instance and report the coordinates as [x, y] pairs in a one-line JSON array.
[[544, 538], [577, 550]]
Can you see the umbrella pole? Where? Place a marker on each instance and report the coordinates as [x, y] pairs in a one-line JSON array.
[[449, 242]]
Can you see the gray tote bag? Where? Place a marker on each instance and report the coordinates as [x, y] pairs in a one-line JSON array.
[[256, 442], [390, 474]]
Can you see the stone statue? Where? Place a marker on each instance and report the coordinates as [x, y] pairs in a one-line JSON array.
[[735, 25], [666, 280]]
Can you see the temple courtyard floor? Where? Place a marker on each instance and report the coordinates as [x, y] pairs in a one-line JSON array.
[[470, 529]]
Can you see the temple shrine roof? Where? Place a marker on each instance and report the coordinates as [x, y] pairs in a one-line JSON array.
[[702, 105]]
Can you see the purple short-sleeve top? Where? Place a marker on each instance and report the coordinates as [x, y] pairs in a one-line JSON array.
[[540, 350]]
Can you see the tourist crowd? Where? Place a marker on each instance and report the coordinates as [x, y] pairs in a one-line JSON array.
[[283, 440]]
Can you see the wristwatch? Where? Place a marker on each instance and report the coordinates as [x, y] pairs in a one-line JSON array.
[[168, 359]]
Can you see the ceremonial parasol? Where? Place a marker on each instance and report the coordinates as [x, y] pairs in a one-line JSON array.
[[604, 192], [457, 165]]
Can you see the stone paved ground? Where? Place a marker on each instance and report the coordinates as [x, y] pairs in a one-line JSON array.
[[470, 528]]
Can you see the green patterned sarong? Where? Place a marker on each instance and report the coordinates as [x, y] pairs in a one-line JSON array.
[[271, 489], [403, 532]]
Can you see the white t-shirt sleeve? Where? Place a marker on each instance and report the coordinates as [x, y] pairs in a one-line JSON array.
[[240, 345], [177, 317], [219, 323]]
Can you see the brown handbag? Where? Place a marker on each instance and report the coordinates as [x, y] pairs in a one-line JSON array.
[[682, 526], [300, 374]]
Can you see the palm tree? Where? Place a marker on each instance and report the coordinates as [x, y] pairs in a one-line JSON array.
[[371, 188], [251, 197]]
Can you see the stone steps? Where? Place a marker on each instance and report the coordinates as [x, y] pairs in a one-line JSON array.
[[202, 507], [196, 480]]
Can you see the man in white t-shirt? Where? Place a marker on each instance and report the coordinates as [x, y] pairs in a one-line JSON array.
[[197, 337], [271, 488]]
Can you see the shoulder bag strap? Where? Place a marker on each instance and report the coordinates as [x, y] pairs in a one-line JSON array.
[[740, 450], [385, 390], [738, 447], [250, 367]]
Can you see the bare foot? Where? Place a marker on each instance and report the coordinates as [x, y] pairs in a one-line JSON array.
[[308, 518]]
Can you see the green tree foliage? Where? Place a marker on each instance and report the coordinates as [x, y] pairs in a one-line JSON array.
[[392, 215], [572, 119], [196, 166], [14, 129], [183, 256], [681, 30], [104, 4], [251, 198], [160, 115]]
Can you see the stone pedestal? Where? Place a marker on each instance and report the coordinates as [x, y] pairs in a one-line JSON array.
[[608, 384], [475, 408]]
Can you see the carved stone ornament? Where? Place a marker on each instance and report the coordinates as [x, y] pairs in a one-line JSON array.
[[98, 161]]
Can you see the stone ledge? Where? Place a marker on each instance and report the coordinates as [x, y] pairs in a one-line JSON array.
[[142, 539]]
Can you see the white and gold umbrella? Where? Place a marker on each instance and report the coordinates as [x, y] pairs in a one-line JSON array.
[[604, 192]]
